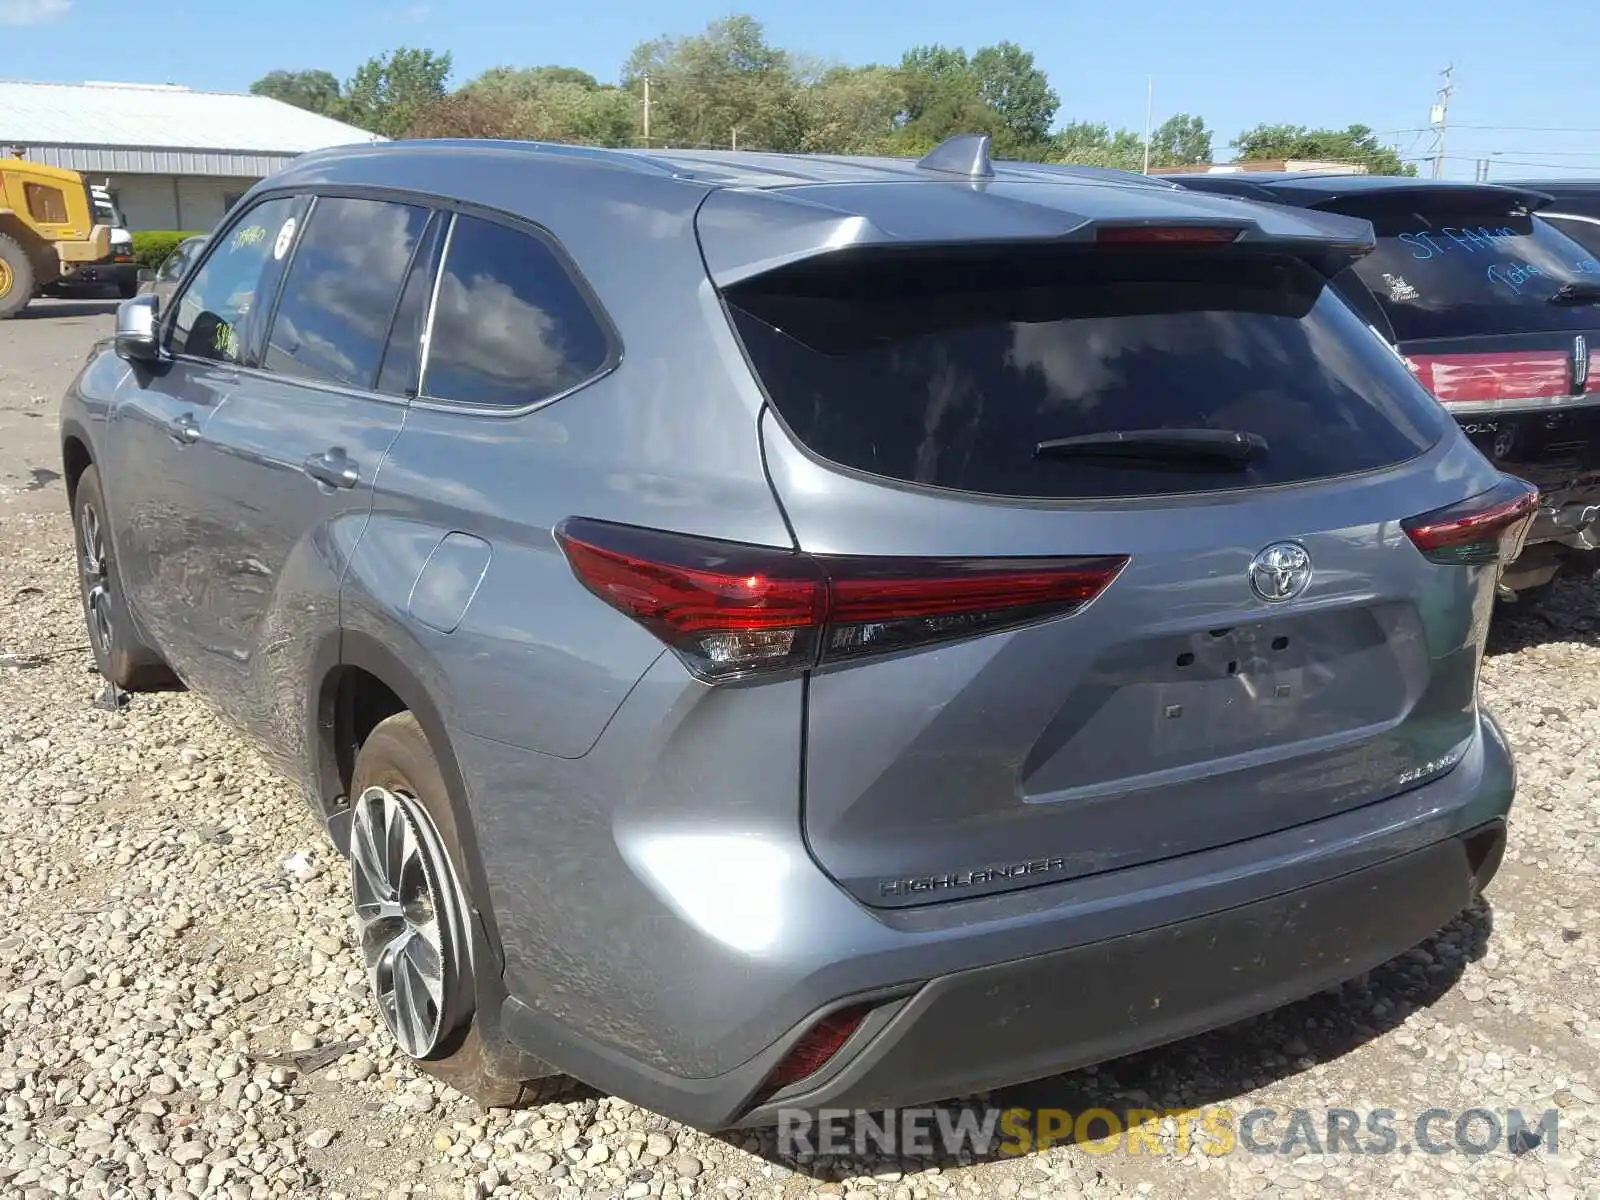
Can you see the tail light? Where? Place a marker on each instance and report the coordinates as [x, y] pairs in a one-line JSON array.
[[1167, 235], [731, 610], [1488, 528], [1487, 378], [814, 1050]]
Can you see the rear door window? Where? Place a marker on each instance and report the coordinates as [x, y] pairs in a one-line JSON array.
[[402, 360], [342, 289], [1463, 273], [950, 372]]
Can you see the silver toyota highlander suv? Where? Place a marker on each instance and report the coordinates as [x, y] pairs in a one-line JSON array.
[[776, 630]]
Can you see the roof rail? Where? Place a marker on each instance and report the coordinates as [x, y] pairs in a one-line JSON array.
[[966, 154]]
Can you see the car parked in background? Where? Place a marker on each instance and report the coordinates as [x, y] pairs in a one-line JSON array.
[[163, 280], [119, 271], [1576, 211], [1496, 310], [777, 631]]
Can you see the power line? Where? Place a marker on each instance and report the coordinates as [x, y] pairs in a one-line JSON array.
[[1500, 129]]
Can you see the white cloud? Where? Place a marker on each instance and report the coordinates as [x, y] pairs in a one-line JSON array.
[[32, 12], [411, 14]]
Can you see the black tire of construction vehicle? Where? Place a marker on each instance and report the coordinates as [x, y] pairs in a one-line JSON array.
[[128, 287], [16, 277], [119, 653], [396, 761]]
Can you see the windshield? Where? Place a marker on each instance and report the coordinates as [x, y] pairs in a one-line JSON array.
[[1455, 273], [106, 211]]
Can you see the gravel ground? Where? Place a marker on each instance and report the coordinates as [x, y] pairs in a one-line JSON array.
[[168, 987]]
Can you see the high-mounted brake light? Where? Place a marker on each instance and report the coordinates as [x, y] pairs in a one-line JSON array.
[[1167, 235], [1490, 378], [1487, 528], [731, 610]]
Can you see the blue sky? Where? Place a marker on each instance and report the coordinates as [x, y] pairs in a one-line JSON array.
[[1527, 91]]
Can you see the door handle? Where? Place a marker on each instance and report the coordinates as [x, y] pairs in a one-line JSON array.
[[333, 468], [184, 430]]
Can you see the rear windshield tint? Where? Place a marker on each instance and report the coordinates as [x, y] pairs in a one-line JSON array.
[[950, 372], [1468, 274]]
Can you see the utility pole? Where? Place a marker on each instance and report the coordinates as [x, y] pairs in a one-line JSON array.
[[646, 79], [1149, 97], [1438, 118], [735, 137]]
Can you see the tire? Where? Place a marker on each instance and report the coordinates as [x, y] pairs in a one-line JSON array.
[[16, 277], [397, 778], [119, 653], [128, 287]]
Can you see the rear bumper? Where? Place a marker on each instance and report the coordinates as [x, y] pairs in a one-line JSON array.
[[1018, 1021], [96, 273], [976, 994]]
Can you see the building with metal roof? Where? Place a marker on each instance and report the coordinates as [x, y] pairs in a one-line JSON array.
[[172, 158]]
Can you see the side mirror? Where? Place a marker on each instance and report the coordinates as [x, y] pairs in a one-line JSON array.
[[135, 339]]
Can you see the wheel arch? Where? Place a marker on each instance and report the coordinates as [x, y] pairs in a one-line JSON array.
[[76, 457], [364, 681], [37, 248]]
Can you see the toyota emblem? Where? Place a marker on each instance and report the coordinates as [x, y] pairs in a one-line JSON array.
[[1280, 572]]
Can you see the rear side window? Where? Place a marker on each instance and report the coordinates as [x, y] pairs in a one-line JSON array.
[[950, 372], [1581, 228], [511, 326], [1453, 272], [342, 289], [46, 205]]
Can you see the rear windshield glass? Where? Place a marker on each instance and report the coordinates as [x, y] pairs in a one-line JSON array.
[[949, 373], [1448, 274]]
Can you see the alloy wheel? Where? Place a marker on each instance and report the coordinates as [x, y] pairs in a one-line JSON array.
[[408, 912], [96, 579]]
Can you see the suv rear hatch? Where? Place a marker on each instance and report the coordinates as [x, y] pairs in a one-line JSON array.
[[1497, 310], [962, 740]]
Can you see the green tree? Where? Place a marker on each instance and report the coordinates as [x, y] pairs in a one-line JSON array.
[[1017, 90], [841, 110], [466, 114], [559, 104], [942, 99], [314, 91], [1087, 144], [710, 90], [1180, 141], [389, 94], [1356, 144]]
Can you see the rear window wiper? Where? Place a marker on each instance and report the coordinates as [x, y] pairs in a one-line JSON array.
[[1576, 293], [1225, 449]]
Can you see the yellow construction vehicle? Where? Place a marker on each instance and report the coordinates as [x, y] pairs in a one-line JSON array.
[[47, 230]]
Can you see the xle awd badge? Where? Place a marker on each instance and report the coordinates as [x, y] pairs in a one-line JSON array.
[[1280, 572]]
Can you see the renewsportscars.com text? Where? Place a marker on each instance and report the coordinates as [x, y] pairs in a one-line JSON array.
[[1213, 1130]]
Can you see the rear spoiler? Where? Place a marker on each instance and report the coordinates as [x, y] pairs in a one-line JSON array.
[[1440, 195], [747, 232]]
